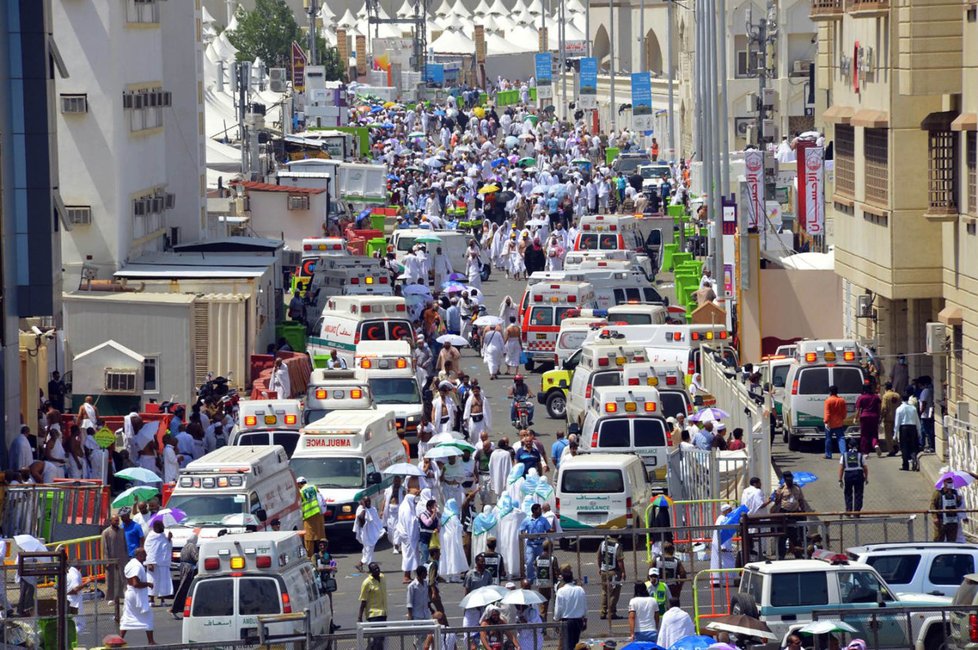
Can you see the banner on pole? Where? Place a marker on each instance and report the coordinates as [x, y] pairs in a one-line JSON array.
[[754, 175], [343, 50], [298, 68], [642, 118], [480, 44], [588, 83], [544, 75], [814, 191]]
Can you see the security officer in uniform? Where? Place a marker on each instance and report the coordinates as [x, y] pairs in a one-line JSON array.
[[312, 515], [612, 567], [853, 476], [658, 590], [494, 562], [671, 569], [946, 503], [548, 571]]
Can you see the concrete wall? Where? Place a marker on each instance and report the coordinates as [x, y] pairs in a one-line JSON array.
[[799, 304], [270, 217]]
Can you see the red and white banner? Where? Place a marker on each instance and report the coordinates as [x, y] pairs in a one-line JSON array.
[[754, 174], [815, 190]]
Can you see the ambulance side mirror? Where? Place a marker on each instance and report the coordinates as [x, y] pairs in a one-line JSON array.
[[261, 515], [373, 478]]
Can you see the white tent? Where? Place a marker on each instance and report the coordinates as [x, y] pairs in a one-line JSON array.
[[406, 10], [453, 41], [350, 23], [534, 7], [574, 7], [327, 15], [496, 43], [482, 9]]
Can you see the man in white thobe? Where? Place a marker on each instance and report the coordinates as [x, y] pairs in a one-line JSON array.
[[368, 528], [675, 625], [500, 464], [721, 555]]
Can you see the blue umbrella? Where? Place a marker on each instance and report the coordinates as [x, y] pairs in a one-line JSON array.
[[731, 520], [452, 286], [642, 645], [440, 113], [392, 177], [376, 109], [497, 162], [802, 478], [456, 277], [388, 125], [693, 642]]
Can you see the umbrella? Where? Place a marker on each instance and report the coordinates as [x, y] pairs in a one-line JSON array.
[[526, 162], [415, 134], [802, 478], [960, 479], [483, 596], [742, 626], [413, 168], [29, 544], [415, 290], [511, 141], [392, 177], [827, 626], [497, 162], [461, 445], [403, 469], [134, 494], [709, 415], [429, 239], [536, 223], [642, 645], [488, 189], [240, 519], [662, 501], [457, 277], [376, 109], [454, 339], [455, 288], [138, 474], [531, 118], [693, 642], [434, 162], [444, 437], [442, 452], [169, 517], [488, 321], [523, 597], [730, 520]]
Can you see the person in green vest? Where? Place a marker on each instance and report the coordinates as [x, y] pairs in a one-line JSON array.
[[312, 515], [658, 590]]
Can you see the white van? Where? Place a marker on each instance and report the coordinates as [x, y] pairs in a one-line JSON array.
[[617, 259], [267, 422], [347, 320], [601, 491], [334, 390], [611, 286], [344, 454], [600, 365], [244, 576], [573, 331], [628, 420], [631, 313], [220, 490], [453, 243], [394, 383], [818, 365], [670, 382], [391, 356]]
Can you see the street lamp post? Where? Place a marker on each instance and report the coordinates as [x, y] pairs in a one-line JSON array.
[[669, 46], [611, 20]]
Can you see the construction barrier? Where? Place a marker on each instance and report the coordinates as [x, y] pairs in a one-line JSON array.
[[84, 553], [63, 509], [692, 517], [716, 600]]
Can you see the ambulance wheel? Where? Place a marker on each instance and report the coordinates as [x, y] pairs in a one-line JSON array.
[[741, 603], [793, 442], [557, 405], [530, 365]]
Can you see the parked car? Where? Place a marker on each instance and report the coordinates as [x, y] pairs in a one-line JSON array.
[[964, 625], [935, 568]]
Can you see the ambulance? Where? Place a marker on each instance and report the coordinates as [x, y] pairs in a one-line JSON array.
[[608, 232], [611, 287], [543, 308], [636, 313], [774, 372], [268, 422], [241, 577], [232, 486], [395, 383], [344, 454], [628, 420], [818, 365], [600, 365], [347, 320], [669, 380], [334, 390], [454, 244], [597, 491], [616, 259], [555, 383], [313, 250]]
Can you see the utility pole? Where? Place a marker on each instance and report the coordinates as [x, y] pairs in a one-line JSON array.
[[669, 46], [562, 14], [641, 37], [313, 12], [614, 109], [763, 36]]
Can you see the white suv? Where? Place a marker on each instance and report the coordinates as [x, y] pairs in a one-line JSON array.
[[936, 568], [784, 594]]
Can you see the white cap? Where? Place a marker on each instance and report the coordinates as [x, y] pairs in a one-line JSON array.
[[301, 479], [726, 507]]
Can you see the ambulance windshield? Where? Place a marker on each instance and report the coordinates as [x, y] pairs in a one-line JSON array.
[[206, 508], [395, 390], [330, 472]]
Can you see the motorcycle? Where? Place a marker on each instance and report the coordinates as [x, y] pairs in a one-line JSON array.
[[521, 406], [475, 337], [216, 388]]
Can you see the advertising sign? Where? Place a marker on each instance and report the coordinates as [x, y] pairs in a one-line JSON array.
[[544, 75], [434, 73], [754, 175], [298, 68], [642, 117], [814, 191], [588, 83], [480, 44]]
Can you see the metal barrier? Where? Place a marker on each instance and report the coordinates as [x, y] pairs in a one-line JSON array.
[[923, 626], [687, 515], [53, 511], [717, 606], [962, 453], [84, 553]]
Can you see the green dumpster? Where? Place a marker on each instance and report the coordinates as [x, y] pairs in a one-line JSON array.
[[610, 154], [668, 250], [378, 221], [47, 628], [676, 211], [293, 333], [533, 94], [376, 244]]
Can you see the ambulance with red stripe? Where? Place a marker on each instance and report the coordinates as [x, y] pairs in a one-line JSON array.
[[668, 380], [268, 422], [344, 454], [395, 381], [544, 307], [602, 232], [348, 320]]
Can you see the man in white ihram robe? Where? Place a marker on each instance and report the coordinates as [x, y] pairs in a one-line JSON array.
[[443, 411], [500, 464], [452, 561], [508, 539], [721, 555], [442, 268], [368, 529], [485, 424], [408, 534], [159, 557], [492, 350]]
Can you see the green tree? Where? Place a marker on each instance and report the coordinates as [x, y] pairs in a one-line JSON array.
[[267, 32], [330, 60]]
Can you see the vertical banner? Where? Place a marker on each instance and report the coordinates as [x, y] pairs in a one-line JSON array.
[[814, 191], [544, 75], [754, 175], [543, 40], [343, 51], [642, 118], [480, 44], [588, 83], [361, 55], [298, 68]]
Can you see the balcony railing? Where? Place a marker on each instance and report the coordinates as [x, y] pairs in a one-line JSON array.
[[868, 7], [827, 9]]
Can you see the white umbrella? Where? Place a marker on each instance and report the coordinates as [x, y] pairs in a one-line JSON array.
[[403, 469], [488, 321], [443, 452], [483, 596], [240, 519], [441, 438], [536, 222], [827, 626], [454, 339], [29, 544], [523, 597]]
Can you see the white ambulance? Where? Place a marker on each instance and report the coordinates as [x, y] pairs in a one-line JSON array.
[[543, 308], [611, 286], [669, 380], [232, 486], [334, 390], [616, 259], [344, 455], [598, 232], [268, 422], [347, 320], [314, 250], [346, 276], [395, 383], [596, 492], [243, 576], [634, 313], [600, 365]]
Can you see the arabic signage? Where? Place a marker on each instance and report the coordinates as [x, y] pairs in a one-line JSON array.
[[754, 175], [544, 75], [480, 44], [642, 118], [814, 191], [361, 55], [298, 68], [588, 83]]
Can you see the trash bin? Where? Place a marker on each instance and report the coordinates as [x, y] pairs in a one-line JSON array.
[[378, 221], [47, 628], [293, 333], [610, 154]]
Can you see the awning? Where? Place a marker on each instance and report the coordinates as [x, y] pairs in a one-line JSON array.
[[838, 114], [965, 122], [871, 119], [950, 315], [938, 121]]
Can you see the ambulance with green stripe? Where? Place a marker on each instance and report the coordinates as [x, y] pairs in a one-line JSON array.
[[344, 455], [312, 250], [348, 320], [601, 491]]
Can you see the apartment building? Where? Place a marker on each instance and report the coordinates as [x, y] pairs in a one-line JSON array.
[[888, 86], [130, 124]]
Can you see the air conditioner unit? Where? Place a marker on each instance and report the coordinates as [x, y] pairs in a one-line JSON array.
[[771, 129], [139, 207], [79, 215], [277, 80], [770, 97], [298, 202], [936, 338], [157, 205], [170, 199], [865, 309], [751, 100]]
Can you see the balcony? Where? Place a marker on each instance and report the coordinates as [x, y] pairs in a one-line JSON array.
[[868, 7], [827, 9]]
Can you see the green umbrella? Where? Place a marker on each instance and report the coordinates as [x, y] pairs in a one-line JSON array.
[[413, 168], [415, 134], [531, 118], [133, 494], [429, 239], [527, 162], [461, 445]]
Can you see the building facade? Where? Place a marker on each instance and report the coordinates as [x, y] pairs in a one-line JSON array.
[[131, 130]]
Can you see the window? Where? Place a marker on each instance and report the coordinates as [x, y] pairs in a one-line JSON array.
[[614, 433], [753, 585], [79, 215], [778, 376], [142, 11], [972, 176], [257, 596], [951, 568], [848, 380], [214, 598], [76, 103], [541, 316], [593, 481], [612, 378], [876, 152], [860, 587], [564, 312], [845, 160], [120, 381], [813, 381], [896, 569], [673, 402], [150, 384], [799, 589], [609, 242], [649, 432], [588, 242], [744, 56], [942, 172], [298, 201]]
